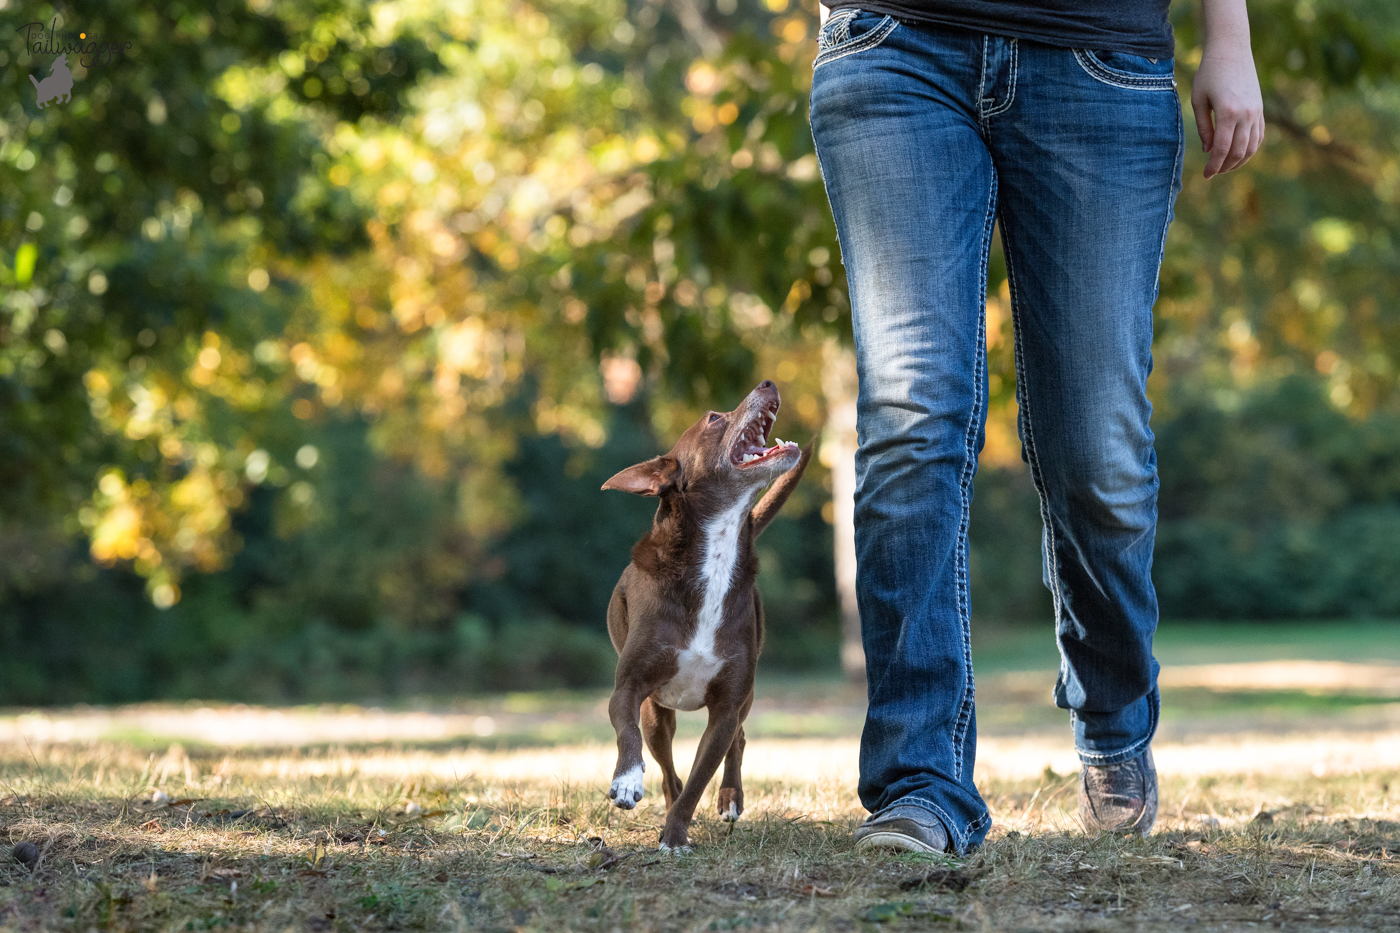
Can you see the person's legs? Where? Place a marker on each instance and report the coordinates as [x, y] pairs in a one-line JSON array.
[[1089, 160], [913, 192]]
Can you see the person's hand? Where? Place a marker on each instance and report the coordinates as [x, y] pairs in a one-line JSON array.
[[1229, 108]]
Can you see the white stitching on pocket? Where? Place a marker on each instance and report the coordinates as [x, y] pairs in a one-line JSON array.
[[835, 30], [1102, 73], [868, 41]]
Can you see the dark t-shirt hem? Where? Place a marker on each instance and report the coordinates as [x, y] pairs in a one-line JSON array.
[[1095, 40]]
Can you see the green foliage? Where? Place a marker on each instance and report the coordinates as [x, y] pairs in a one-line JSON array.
[[363, 585], [312, 315], [1273, 505], [1280, 507]]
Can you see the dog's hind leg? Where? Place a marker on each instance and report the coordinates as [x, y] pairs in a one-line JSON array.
[[714, 744], [731, 784], [659, 728]]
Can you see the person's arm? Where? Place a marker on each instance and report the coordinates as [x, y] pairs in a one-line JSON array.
[[1225, 93]]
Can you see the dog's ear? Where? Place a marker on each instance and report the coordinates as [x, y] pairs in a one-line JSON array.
[[653, 477]]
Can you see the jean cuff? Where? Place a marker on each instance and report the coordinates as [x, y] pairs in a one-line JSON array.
[[1100, 757]]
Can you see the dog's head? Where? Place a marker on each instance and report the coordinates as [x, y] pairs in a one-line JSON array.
[[60, 65], [725, 451]]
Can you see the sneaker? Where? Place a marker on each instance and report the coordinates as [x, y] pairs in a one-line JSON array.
[[1119, 798], [908, 826]]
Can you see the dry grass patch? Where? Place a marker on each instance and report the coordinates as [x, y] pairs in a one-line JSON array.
[[259, 841]]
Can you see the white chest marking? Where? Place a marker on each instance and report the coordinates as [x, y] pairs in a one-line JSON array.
[[698, 662]]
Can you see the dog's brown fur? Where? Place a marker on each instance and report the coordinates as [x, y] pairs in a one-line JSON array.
[[674, 600]]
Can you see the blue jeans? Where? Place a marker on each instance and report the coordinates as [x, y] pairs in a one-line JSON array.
[[926, 136]]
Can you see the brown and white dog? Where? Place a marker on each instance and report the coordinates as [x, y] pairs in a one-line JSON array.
[[686, 618]]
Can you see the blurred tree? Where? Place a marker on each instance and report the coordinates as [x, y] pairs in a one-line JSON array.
[[142, 230], [306, 304]]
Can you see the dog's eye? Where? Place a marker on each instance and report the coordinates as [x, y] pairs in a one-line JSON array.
[[714, 417]]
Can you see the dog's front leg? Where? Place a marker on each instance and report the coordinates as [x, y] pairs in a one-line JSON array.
[[623, 709], [714, 744]]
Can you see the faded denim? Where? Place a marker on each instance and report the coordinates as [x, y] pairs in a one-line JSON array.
[[926, 136]]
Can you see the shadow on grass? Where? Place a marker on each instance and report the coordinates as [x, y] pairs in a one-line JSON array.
[[561, 860]]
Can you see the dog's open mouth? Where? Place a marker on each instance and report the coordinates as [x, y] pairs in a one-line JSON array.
[[751, 448]]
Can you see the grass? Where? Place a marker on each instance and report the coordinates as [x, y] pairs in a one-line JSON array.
[[255, 841], [1280, 810]]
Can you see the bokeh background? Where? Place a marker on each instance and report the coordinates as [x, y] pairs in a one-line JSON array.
[[321, 324]]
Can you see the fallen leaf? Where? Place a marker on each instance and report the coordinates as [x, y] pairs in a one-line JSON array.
[[441, 876], [152, 882], [811, 890], [603, 858], [151, 826], [1165, 861], [183, 801]]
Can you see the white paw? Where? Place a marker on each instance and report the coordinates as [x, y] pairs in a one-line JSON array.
[[626, 789], [730, 814]]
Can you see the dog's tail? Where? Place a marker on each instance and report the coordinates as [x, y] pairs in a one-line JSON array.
[[773, 500], [35, 83]]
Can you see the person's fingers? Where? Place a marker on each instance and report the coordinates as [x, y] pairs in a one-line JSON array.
[[1239, 148], [1256, 136], [1225, 128], [1200, 106]]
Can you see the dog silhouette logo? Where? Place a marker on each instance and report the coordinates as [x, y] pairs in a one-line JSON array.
[[58, 84]]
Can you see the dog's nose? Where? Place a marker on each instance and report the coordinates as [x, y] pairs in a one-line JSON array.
[[766, 384]]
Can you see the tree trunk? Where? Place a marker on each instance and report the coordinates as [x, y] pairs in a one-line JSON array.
[[838, 453]]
